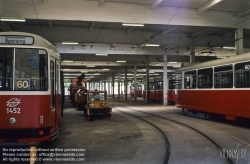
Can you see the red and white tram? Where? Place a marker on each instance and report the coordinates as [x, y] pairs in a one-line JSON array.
[[30, 89], [219, 87], [156, 91]]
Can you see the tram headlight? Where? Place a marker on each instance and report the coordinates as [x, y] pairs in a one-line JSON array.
[[12, 120]]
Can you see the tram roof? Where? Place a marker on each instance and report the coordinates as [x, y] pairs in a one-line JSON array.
[[218, 62], [38, 40]]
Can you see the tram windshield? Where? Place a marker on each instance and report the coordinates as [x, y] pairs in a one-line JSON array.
[[23, 69], [97, 96]]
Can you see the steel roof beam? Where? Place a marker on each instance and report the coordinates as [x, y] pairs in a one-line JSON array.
[[1, 29], [50, 25], [243, 13], [164, 32], [91, 26], [114, 12], [208, 5], [129, 30], [156, 4]]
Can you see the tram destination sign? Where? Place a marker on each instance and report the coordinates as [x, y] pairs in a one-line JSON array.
[[14, 39]]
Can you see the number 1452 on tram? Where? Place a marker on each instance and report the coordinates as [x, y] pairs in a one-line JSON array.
[[30, 89]]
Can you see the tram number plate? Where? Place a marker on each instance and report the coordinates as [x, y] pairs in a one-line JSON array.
[[22, 84], [13, 110]]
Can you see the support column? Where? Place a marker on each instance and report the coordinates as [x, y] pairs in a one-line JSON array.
[[239, 41], [113, 85], [135, 83], [109, 86], [105, 85], [119, 84], [147, 81], [192, 51], [165, 80], [126, 85]]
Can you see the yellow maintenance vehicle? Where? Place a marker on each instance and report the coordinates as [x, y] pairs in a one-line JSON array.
[[78, 92], [97, 103]]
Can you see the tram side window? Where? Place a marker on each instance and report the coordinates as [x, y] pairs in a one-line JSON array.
[[171, 84], [223, 77], [151, 85], [205, 78], [159, 85], [190, 80], [6, 69], [132, 87], [242, 75], [52, 83], [139, 87], [178, 80]]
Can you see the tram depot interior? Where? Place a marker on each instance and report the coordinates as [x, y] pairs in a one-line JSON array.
[[99, 28], [106, 39]]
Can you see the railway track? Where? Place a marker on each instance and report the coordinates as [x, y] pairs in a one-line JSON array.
[[149, 119], [166, 158]]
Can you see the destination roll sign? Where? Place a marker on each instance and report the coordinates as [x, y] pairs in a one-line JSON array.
[[11, 39]]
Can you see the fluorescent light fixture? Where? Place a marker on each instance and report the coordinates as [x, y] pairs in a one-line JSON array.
[[66, 69], [128, 74], [221, 57], [133, 24], [105, 69], [90, 66], [71, 74], [152, 45], [172, 62], [232, 48], [101, 54], [97, 74], [121, 61], [69, 42], [13, 19], [67, 61], [70, 77]]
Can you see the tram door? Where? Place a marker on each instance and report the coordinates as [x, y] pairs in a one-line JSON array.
[[57, 98], [53, 94]]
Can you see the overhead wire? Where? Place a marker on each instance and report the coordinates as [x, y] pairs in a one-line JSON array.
[[159, 32], [38, 19], [97, 37], [201, 38]]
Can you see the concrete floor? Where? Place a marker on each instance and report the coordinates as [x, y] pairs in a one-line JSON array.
[[229, 135], [121, 140], [129, 140]]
